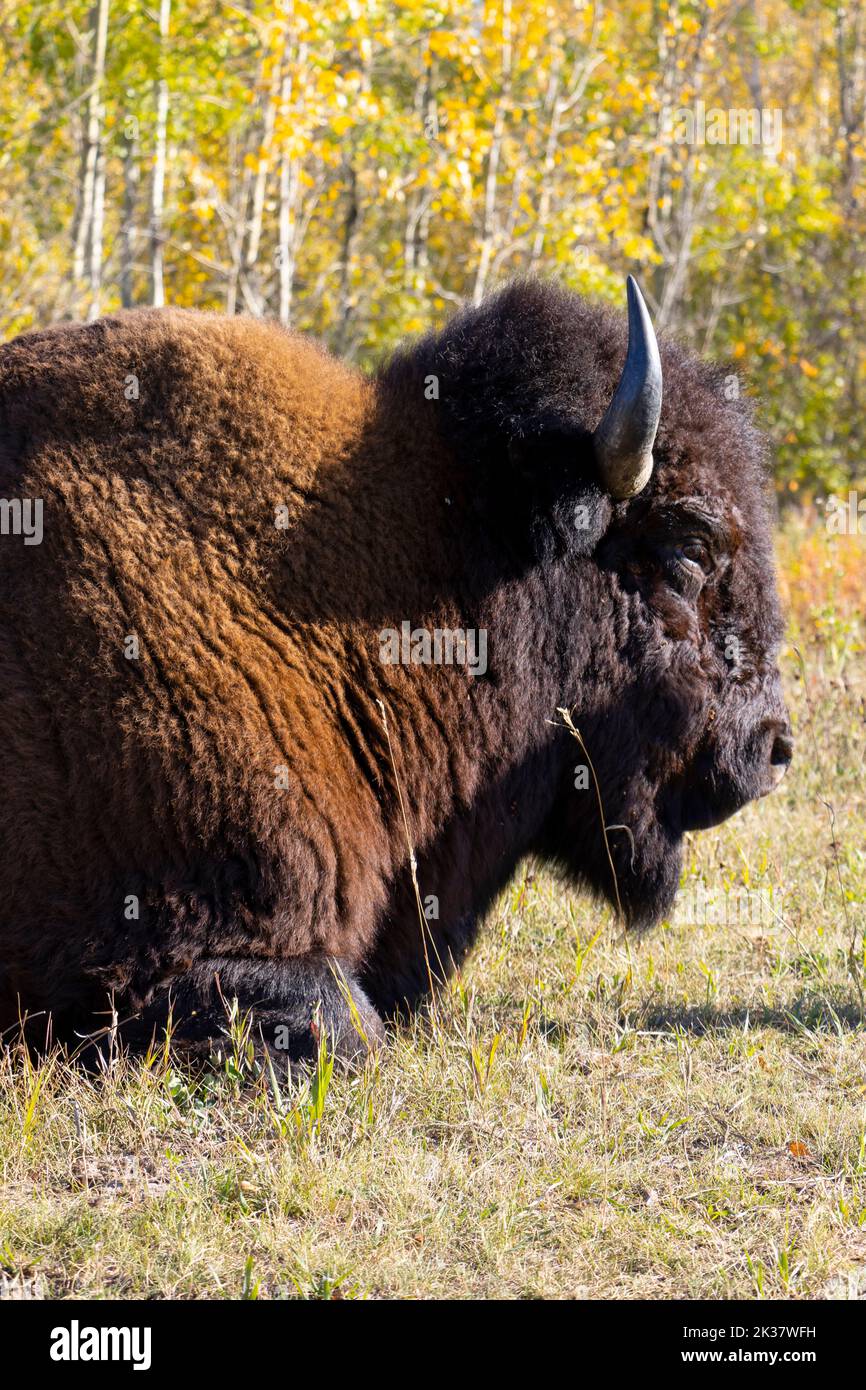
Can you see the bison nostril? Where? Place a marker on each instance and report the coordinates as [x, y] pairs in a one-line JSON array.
[[783, 749], [780, 757]]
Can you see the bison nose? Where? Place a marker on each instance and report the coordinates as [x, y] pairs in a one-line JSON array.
[[781, 753]]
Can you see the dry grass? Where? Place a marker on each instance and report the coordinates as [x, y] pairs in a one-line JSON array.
[[683, 1117]]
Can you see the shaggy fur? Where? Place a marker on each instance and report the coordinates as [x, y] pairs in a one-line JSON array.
[[224, 803]]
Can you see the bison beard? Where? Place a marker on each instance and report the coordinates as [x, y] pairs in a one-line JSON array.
[[208, 769]]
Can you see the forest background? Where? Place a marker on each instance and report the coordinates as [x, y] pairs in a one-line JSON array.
[[359, 170]]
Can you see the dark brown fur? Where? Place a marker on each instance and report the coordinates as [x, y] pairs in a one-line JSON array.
[[156, 778]]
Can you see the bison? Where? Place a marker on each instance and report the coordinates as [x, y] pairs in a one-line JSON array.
[[282, 647]]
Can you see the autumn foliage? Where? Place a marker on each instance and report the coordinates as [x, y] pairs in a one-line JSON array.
[[358, 170]]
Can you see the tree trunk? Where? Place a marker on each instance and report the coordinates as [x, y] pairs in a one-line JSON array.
[[489, 220], [344, 301], [286, 226], [91, 158], [157, 200], [252, 291], [96, 227], [130, 202]]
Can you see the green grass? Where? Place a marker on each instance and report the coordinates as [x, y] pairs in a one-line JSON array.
[[679, 1117]]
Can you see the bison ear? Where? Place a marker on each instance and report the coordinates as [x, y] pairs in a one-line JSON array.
[[623, 441], [573, 511]]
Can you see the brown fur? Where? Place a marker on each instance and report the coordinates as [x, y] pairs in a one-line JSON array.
[[260, 653]]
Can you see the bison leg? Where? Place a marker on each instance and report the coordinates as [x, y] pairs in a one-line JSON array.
[[292, 1002]]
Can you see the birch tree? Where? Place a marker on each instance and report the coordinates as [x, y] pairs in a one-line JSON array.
[[157, 197], [87, 247]]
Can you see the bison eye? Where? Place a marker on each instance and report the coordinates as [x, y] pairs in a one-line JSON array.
[[695, 551]]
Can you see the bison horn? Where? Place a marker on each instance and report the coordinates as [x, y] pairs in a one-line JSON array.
[[624, 440]]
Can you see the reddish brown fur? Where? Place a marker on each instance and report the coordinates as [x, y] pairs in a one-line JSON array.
[[259, 647]]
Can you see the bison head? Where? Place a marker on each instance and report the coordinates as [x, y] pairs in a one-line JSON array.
[[687, 569], [686, 722], [632, 483]]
